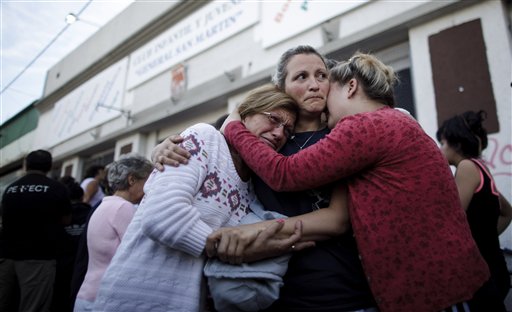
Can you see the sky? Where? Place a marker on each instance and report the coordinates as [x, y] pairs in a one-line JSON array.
[[27, 27]]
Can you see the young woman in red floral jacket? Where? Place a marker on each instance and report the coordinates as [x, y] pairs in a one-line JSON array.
[[415, 243]]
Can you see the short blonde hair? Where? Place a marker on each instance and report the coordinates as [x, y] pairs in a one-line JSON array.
[[376, 78], [266, 98]]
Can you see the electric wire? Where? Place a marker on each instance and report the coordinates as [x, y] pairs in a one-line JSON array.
[[43, 50]]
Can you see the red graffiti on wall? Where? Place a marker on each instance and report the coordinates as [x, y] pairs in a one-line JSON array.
[[280, 15], [284, 8], [499, 155]]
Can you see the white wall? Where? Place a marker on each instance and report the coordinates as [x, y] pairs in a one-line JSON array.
[[499, 152], [19, 148]]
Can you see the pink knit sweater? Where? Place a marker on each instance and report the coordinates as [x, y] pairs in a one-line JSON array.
[[106, 229]]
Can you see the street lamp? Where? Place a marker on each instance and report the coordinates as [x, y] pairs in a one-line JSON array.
[[71, 18]]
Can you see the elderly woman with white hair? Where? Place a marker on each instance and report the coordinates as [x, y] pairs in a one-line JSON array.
[[126, 178]]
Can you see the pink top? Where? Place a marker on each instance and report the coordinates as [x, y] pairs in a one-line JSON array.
[[106, 228], [412, 233]]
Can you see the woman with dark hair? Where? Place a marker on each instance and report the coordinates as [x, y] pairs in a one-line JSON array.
[[463, 138]]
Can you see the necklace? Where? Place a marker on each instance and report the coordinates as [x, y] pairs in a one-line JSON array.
[[305, 142]]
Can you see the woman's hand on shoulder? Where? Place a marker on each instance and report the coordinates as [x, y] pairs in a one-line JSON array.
[[169, 153]]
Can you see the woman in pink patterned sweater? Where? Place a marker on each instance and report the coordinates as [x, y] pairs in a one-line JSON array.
[[412, 233]]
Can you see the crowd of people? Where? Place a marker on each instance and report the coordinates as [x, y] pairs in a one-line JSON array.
[[360, 200]]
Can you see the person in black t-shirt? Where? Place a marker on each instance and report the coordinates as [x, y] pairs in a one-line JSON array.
[[34, 208]]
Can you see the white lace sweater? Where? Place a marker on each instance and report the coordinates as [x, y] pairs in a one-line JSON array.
[[159, 264]]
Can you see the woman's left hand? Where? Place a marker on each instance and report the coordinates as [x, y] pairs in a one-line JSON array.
[[248, 243], [229, 243]]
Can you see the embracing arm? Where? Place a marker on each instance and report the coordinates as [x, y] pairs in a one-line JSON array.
[[251, 242], [341, 153], [322, 223], [169, 212], [169, 216], [169, 153]]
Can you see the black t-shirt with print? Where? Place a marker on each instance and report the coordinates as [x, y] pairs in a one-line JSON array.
[[32, 210]]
